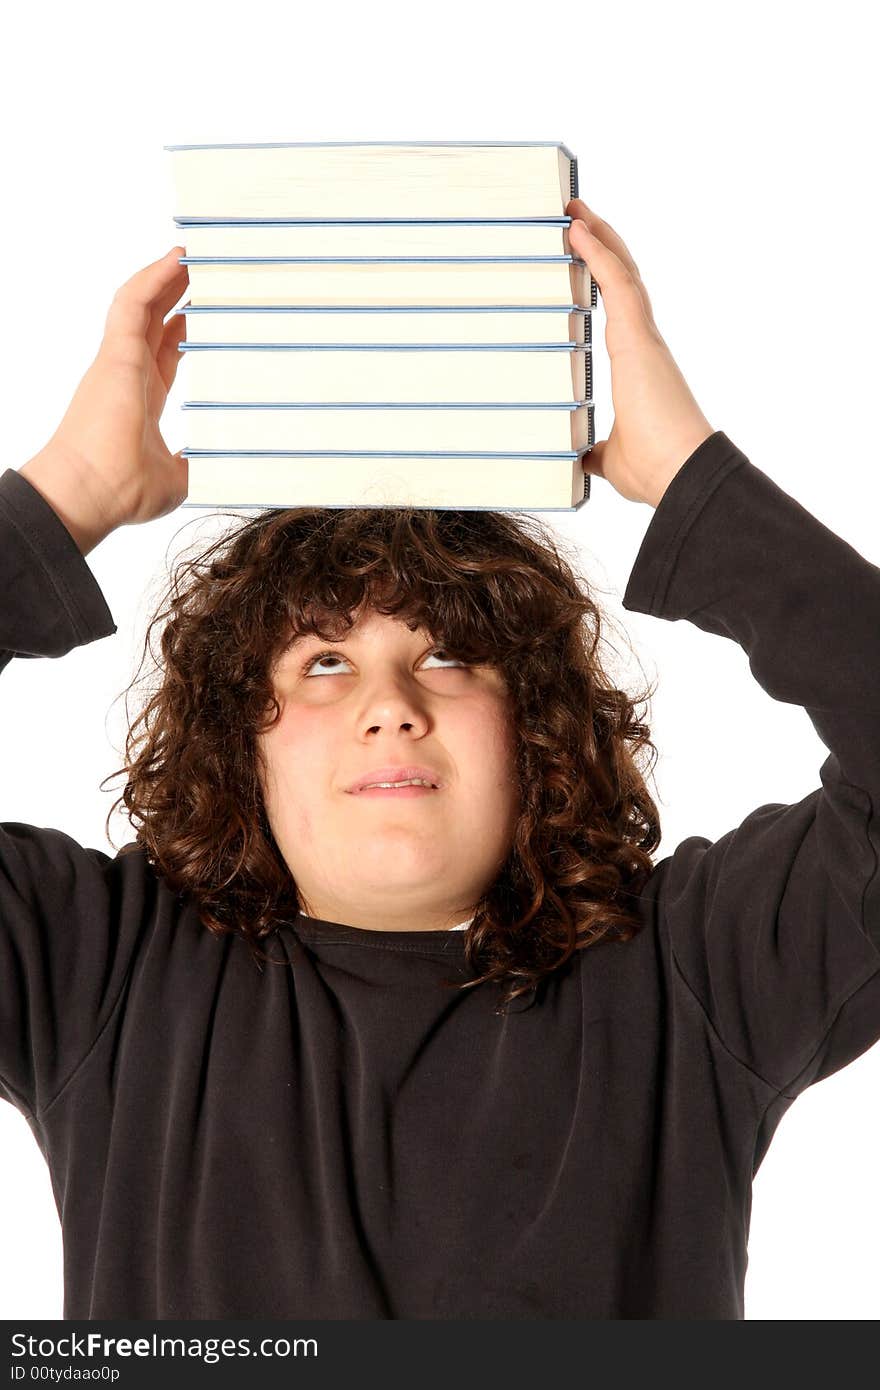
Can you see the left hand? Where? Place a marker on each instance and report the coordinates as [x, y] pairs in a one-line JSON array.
[[657, 423]]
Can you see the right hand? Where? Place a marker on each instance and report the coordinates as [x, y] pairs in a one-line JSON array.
[[107, 464]]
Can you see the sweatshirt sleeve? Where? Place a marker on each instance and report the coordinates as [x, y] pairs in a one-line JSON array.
[[61, 962], [775, 927]]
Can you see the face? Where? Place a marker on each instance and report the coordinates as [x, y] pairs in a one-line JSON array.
[[382, 696]]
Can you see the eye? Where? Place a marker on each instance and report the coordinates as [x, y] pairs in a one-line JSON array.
[[441, 651], [324, 657]]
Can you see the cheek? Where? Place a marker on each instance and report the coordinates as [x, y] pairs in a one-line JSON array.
[[299, 752], [488, 746]]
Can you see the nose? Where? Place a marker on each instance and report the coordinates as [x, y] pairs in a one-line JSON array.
[[395, 706]]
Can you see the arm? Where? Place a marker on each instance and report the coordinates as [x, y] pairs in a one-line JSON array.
[[65, 945], [776, 926], [56, 951]]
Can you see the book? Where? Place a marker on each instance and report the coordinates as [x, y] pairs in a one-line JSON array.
[[321, 372], [474, 482], [323, 180], [388, 427], [378, 237], [316, 280], [324, 354], [402, 323]]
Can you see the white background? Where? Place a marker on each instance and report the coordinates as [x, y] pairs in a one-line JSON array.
[[733, 150]]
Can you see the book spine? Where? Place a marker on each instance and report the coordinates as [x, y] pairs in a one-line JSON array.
[[573, 172], [588, 340], [591, 439]]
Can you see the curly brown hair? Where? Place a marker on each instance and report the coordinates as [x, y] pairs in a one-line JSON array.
[[491, 587]]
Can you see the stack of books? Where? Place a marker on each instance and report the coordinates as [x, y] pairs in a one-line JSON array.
[[384, 324]]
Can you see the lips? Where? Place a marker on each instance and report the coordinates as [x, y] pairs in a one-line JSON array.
[[396, 773]]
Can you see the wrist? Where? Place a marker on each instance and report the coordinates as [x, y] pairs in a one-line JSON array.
[[659, 485], [73, 496], [654, 496]]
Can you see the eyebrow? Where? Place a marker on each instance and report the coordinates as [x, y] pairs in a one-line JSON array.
[[304, 638], [351, 635]]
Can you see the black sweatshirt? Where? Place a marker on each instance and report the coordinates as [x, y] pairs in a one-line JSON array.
[[338, 1136]]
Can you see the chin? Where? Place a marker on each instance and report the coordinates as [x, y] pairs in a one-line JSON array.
[[397, 868]]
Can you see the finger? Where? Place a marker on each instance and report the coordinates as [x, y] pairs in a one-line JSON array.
[[153, 290], [169, 354], [592, 461], [183, 474], [621, 291], [167, 361], [577, 208], [605, 232], [150, 285], [168, 300]]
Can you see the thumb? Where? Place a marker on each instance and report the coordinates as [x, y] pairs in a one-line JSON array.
[[592, 461], [181, 475]]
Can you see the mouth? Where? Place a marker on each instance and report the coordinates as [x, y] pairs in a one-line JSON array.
[[397, 780], [404, 789]]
